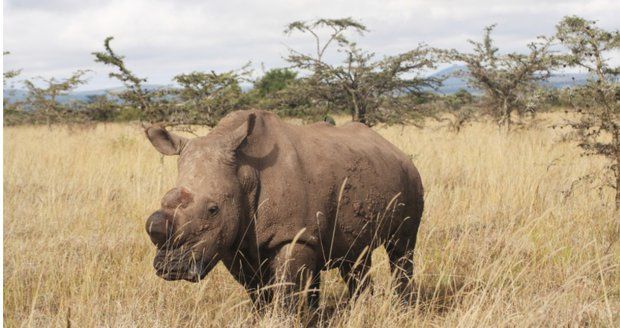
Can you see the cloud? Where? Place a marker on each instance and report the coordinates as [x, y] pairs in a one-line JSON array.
[[162, 38]]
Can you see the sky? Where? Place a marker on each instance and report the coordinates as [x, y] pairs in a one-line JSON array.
[[161, 38]]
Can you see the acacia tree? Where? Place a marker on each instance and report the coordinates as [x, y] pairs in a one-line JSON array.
[[599, 100], [43, 100], [100, 108], [506, 80], [154, 104], [206, 97], [9, 108], [274, 80], [10, 74], [371, 90]]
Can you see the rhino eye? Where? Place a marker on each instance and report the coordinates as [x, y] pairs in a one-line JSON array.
[[213, 210]]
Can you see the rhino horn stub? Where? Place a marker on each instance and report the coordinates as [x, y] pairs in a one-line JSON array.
[[177, 197]]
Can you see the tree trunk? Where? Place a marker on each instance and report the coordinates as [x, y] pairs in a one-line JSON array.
[[506, 110], [359, 110], [617, 166], [48, 121], [361, 115], [618, 183]]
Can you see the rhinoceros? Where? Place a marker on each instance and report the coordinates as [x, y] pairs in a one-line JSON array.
[[277, 202]]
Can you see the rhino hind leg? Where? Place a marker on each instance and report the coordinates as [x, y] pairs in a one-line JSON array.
[[401, 264]]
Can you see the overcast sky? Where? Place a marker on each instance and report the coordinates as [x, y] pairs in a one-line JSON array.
[[161, 38]]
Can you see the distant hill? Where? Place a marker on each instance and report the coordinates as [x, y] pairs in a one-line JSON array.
[[453, 84], [20, 94]]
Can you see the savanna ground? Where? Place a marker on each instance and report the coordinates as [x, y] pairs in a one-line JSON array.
[[502, 243]]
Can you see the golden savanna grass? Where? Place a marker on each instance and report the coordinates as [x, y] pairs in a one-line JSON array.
[[501, 244]]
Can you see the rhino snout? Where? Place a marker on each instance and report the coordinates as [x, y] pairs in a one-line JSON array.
[[159, 228]]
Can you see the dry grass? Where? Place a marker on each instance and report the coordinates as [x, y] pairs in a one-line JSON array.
[[500, 244]]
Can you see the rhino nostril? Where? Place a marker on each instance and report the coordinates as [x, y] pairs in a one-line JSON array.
[[158, 228]]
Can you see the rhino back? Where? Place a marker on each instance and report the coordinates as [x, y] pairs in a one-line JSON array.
[[346, 186]]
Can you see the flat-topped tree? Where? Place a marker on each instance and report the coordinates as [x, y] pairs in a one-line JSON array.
[[274, 80], [153, 104], [7, 76], [10, 74], [598, 101], [100, 108], [507, 80], [206, 97], [43, 100], [372, 90]]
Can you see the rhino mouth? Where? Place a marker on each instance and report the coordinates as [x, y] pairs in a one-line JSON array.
[[181, 264]]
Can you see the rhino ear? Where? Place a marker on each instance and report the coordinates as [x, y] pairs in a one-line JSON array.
[[241, 133], [165, 142]]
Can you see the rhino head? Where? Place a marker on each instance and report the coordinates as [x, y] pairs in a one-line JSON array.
[[199, 219]]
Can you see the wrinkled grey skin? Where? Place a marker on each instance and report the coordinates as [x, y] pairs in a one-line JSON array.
[[279, 203]]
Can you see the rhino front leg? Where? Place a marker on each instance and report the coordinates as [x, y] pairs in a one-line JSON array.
[[260, 297], [356, 276], [297, 276], [254, 278]]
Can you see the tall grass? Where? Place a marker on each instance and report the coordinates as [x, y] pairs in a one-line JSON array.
[[501, 244]]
